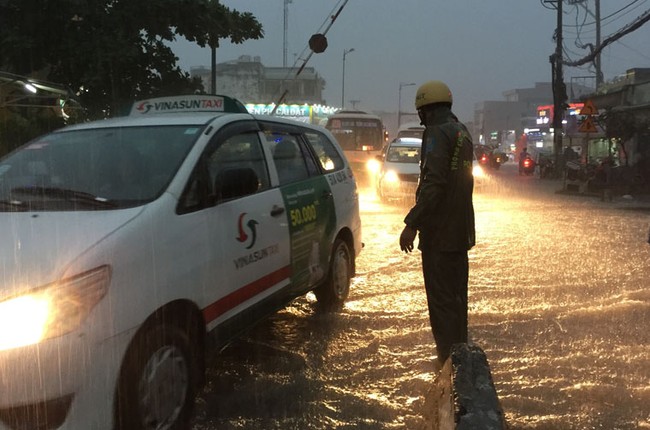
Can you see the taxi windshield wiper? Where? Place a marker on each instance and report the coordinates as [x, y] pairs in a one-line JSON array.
[[65, 194]]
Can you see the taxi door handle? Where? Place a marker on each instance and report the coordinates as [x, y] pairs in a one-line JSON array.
[[277, 211], [326, 194]]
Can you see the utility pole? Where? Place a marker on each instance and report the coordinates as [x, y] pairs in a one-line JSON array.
[[286, 31], [596, 15], [213, 70], [345, 53], [399, 101], [559, 90], [599, 71]]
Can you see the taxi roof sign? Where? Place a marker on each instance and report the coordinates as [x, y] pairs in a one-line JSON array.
[[589, 108], [188, 103]]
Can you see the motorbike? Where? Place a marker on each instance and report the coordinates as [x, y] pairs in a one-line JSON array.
[[546, 167], [493, 161], [527, 166]]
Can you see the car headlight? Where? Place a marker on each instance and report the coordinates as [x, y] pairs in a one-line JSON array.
[[52, 310], [391, 177], [372, 165], [477, 171]]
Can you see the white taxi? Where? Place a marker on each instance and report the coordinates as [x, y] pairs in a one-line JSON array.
[[131, 245], [399, 172]]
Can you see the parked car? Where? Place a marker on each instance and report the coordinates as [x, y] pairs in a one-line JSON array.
[[131, 245], [399, 172]]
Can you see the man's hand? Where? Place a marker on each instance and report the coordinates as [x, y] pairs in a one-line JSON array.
[[406, 239]]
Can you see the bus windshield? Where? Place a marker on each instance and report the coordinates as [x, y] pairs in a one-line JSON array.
[[357, 134]]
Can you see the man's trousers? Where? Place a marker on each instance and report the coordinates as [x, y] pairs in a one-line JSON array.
[[445, 281]]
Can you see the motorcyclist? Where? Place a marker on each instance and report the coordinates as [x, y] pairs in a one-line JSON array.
[[523, 155]]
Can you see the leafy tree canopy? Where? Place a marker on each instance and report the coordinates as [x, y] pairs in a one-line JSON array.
[[110, 52]]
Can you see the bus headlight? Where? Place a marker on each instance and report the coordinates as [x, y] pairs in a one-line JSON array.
[[52, 310]]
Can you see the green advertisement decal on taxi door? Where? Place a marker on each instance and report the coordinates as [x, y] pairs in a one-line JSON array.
[[312, 219]]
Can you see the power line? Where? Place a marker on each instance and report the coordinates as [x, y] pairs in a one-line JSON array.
[[613, 38], [608, 16], [639, 53], [323, 29]]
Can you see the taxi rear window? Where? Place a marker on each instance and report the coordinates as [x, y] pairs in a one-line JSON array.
[[329, 158]]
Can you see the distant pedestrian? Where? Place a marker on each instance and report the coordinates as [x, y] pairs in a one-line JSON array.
[[570, 154], [443, 215]]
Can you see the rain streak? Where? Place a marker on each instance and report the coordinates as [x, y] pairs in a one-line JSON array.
[[558, 301]]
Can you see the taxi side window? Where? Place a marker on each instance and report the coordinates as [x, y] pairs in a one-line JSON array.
[[231, 168], [328, 157], [237, 167], [288, 157]]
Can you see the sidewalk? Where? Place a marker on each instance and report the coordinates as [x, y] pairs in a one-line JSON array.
[[639, 201], [620, 201]]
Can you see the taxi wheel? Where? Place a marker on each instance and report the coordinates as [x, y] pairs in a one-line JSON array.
[[332, 294], [158, 381]]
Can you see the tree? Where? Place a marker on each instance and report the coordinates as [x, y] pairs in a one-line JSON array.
[[111, 52]]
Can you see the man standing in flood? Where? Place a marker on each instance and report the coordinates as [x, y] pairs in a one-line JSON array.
[[443, 215]]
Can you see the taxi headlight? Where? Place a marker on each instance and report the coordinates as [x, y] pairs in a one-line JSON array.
[[391, 177], [52, 310], [477, 171]]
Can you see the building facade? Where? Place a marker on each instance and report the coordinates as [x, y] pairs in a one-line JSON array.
[[503, 123], [623, 107], [248, 80]]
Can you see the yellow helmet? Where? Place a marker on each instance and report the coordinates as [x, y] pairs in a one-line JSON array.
[[432, 92]]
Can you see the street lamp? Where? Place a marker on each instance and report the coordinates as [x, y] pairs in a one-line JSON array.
[[399, 102], [345, 52]]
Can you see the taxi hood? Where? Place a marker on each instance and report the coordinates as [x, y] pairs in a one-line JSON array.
[[37, 247]]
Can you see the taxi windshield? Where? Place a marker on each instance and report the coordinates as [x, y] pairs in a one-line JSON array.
[[403, 154], [92, 169]]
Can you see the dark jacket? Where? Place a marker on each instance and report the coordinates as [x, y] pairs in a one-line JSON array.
[[443, 212]]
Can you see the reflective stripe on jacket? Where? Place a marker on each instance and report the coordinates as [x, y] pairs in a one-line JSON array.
[[443, 212]]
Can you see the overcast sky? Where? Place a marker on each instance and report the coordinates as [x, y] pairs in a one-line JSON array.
[[480, 49]]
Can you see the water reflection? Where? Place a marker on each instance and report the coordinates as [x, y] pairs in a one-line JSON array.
[[558, 300]]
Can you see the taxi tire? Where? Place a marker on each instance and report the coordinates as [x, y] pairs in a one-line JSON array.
[[332, 294], [145, 351]]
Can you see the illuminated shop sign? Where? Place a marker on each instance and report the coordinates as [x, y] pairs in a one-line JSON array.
[[293, 111], [545, 112]]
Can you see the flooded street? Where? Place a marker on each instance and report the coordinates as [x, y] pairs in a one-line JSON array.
[[559, 301]]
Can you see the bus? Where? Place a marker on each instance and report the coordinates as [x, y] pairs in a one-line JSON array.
[[362, 137]]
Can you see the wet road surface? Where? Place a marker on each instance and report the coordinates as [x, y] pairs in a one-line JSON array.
[[559, 301]]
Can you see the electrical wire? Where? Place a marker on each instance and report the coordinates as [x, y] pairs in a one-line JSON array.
[[613, 14], [323, 29], [640, 54], [610, 39], [542, 2]]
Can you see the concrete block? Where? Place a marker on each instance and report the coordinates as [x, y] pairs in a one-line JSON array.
[[468, 399]]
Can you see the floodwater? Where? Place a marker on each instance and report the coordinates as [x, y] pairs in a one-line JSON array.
[[559, 301]]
